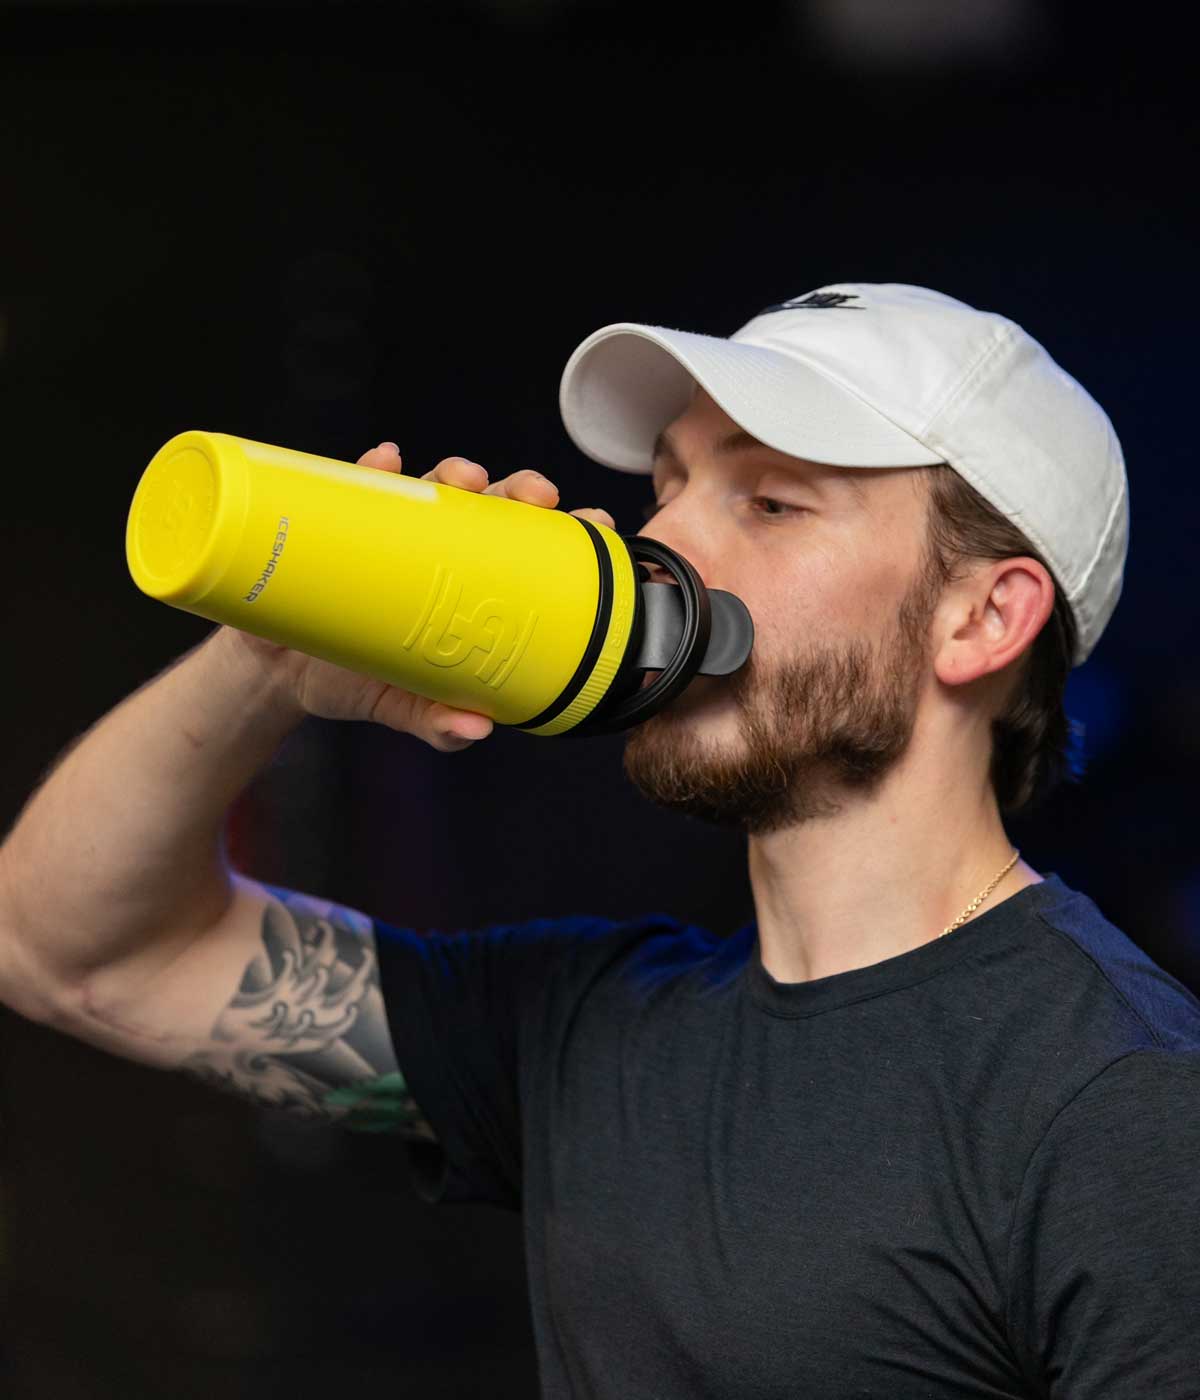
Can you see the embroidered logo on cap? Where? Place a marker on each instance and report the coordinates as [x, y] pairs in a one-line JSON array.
[[816, 301]]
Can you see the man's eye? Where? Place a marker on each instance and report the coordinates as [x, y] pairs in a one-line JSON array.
[[783, 506], [652, 509]]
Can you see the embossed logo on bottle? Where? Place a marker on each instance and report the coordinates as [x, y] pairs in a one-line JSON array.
[[447, 632], [178, 506]]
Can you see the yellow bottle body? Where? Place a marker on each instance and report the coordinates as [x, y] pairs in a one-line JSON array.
[[480, 602]]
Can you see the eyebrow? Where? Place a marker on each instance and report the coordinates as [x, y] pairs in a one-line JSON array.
[[664, 446]]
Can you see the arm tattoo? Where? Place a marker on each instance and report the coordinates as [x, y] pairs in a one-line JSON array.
[[307, 1029]]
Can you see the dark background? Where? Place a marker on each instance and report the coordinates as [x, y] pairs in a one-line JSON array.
[[327, 225]]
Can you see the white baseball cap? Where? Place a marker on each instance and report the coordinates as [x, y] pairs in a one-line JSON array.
[[861, 374]]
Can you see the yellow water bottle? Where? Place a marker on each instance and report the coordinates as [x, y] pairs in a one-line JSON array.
[[534, 617]]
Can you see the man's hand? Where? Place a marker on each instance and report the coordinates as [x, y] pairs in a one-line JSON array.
[[334, 692]]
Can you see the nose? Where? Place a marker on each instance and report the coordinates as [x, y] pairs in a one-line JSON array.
[[658, 574]]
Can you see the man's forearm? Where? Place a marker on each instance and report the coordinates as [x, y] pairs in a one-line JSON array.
[[124, 839]]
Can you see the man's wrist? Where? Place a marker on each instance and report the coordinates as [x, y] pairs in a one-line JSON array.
[[261, 667]]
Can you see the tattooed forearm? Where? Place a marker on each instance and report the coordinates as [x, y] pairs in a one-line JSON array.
[[307, 1029]]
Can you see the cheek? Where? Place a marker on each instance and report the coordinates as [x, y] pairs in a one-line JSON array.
[[834, 593]]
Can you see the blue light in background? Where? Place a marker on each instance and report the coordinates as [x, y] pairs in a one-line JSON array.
[[1186, 899], [1095, 698]]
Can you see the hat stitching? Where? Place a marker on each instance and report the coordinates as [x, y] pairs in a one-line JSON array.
[[972, 374], [823, 371], [1106, 533]]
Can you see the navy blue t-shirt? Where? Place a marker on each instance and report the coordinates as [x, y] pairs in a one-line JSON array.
[[970, 1170]]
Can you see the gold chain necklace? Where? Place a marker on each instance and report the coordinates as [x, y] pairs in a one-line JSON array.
[[979, 898]]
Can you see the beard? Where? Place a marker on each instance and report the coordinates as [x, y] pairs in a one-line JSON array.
[[830, 720]]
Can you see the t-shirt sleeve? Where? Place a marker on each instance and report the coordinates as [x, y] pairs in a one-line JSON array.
[[463, 1008], [1104, 1257]]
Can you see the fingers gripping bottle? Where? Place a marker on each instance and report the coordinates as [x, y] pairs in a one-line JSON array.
[[534, 617]]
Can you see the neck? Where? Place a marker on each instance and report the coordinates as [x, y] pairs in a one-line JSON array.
[[885, 874]]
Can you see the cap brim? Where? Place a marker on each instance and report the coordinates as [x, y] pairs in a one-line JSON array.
[[626, 382]]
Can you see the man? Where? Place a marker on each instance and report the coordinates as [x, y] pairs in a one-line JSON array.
[[928, 1126], [813, 747]]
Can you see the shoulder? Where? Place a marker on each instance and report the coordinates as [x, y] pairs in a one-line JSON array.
[[1153, 1089], [549, 933], [576, 948], [1104, 1252], [1132, 1130], [1100, 974]]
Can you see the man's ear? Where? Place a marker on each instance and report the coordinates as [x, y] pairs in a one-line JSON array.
[[989, 618]]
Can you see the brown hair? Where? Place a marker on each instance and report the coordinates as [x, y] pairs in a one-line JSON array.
[[1035, 746]]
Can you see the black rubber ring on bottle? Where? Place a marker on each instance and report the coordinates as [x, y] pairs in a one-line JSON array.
[[682, 667], [591, 653]]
